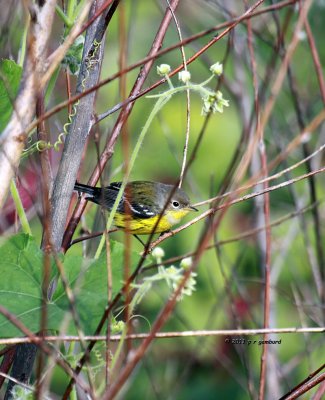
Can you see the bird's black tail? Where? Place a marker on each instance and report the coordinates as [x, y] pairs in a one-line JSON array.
[[92, 191]]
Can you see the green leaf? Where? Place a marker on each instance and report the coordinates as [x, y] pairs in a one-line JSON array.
[[21, 269], [20, 284], [88, 278], [72, 60], [10, 75]]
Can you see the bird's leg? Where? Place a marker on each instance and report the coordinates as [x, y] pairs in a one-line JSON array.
[[137, 237]]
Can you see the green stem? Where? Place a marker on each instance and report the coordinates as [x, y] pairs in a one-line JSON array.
[[72, 4], [64, 18], [51, 85], [19, 207], [208, 80], [73, 395], [118, 349], [170, 84], [191, 86], [23, 44], [146, 286], [78, 8]]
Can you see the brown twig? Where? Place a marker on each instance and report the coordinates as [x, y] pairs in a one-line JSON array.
[[305, 385], [8, 358], [316, 59], [265, 239]]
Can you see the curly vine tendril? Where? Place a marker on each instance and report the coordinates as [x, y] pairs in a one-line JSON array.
[[59, 141], [42, 145]]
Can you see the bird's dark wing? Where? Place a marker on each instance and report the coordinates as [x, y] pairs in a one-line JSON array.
[[115, 186], [141, 211], [138, 208], [109, 194]]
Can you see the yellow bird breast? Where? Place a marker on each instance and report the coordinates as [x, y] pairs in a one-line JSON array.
[[145, 226]]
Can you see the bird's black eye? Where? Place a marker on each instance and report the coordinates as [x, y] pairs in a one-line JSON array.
[[175, 204]]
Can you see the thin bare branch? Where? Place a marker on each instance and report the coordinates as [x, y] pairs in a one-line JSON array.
[[168, 335]]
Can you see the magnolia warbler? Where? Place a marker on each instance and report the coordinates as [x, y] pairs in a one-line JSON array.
[[141, 205]]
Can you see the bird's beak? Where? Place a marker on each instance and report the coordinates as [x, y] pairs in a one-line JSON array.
[[191, 208]]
